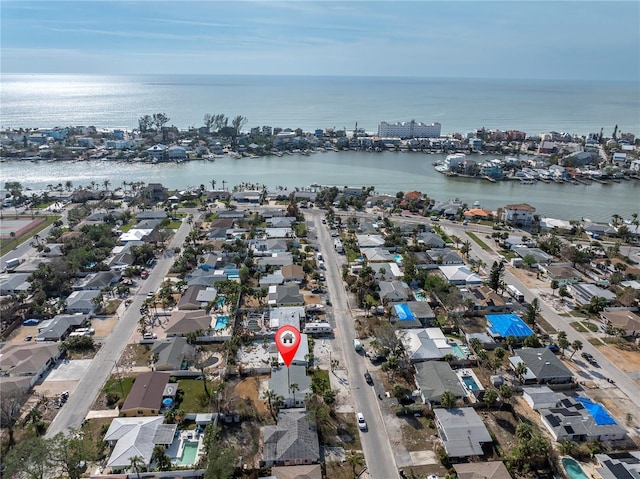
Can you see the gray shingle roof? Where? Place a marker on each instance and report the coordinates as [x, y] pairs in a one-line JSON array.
[[294, 439], [462, 431]]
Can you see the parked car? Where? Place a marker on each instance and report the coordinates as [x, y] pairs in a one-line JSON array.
[[362, 424], [28, 338], [368, 378], [329, 303], [149, 336]]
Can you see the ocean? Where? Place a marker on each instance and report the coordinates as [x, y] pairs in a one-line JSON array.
[[460, 105], [323, 102]]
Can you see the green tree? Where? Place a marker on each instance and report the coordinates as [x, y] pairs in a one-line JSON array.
[[532, 312], [506, 393], [136, 463], [448, 399], [70, 453], [273, 402], [495, 275], [490, 397], [32, 460], [355, 460], [160, 457], [10, 407], [576, 346], [563, 342]]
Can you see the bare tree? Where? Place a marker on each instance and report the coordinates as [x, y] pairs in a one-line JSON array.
[[10, 407]]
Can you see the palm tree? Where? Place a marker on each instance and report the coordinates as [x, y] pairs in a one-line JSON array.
[[273, 401], [293, 387], [576, 346], [106, 184], [134, 463], [521, 370], [355, 460], [213, 184], [448, 399]]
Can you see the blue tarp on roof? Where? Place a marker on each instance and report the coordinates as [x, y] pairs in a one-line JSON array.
[[504, 325], [404, 312], [597, 411]]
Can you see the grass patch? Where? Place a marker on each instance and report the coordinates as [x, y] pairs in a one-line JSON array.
[[475, 238], [127, 227], [174, 225], [120, 386], [578, 326], [596, 342], [194, 398], [10, 243]]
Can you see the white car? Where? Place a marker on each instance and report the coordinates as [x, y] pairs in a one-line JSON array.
[[149, 336], [362, 424]]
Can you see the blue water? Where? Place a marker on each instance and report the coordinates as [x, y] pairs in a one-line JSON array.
[[573, 469], [419, 296], [404, 312], [397, 258], [457, 350], [470, 383], [460, 105], [189, 452], [597, 411], [221, 322], [533, 106]]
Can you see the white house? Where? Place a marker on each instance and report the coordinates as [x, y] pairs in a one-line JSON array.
[[518, 214]]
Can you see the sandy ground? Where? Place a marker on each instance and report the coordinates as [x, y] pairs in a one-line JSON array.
[[23, 331], [249, 388], [104, 326]]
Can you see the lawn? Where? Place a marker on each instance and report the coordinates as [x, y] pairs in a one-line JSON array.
[[475, 238], [584, 327], [194, 398]]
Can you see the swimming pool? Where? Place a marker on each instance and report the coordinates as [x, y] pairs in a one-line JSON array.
[[221, 301], [221, 322], [470, 383], [189, 453], [457, 350], [597, 411], [419, 296], [573, 469], [397, 258]]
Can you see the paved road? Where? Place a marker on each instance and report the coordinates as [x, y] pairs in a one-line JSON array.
[[375, 442], [75, 410], [607, 368]]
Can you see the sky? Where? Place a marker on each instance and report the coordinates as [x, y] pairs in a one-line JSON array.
[[573, 40]]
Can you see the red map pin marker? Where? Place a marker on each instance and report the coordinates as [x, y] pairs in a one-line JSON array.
[[288, 341]]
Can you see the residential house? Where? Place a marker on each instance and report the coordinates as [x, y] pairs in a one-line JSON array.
[[145, 397], [514, 241], [520, 214], [28, 360], [276, 260], [377, 255], [157, 152], [394, 291], [281, 380], [281, 221], [623, 319], [272, 279], [286, 315], [306, 471], [596, 230], [482, 470], [60, 326], [539, 397], [443, 257], [583, 293], [82, 301], [460, 275], [172, 354], [384, 271], [618, 465], [551, 224], [248, 196], [462, 431], [152, 214], [430, 240], [433, 378], [543, 367], [293, 441], [448, 209], [413, 314], [136, 436], [300, 358], [182, 323], [478, 214], [424, 344], [539, 256], [572, 420], [369, 241], [484, 299], [504, 325], [285, 295], [563, 273], [189, 299], [97, 281], [269, 246], [14, 283], [177, 152], [155, 193], [292, 273]]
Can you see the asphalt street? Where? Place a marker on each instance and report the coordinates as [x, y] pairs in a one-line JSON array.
[[375, 441], [80, 401]]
